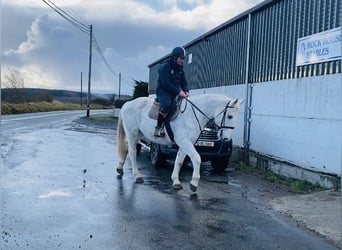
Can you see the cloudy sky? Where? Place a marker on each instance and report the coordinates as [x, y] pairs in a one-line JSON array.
[[51, 52]]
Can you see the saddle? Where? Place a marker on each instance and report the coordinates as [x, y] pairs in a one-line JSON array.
[[154, 111], [175, 109]]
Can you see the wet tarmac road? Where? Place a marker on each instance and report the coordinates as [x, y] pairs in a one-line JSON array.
[[60, 191]]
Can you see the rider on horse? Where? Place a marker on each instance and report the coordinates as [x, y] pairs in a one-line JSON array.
[[171, 83]]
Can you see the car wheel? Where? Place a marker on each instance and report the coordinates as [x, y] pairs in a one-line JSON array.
[[220, 164], [187, 162], [158, 159]]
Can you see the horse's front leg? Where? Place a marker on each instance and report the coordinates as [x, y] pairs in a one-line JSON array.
[[188, 149], [177, 166], [196, 164]]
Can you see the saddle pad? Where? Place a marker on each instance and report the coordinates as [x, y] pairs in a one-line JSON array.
[[154, 111]]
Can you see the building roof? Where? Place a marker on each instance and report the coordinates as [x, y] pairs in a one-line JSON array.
[[223, 26]]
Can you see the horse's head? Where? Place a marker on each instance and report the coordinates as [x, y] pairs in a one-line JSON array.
[[227, 118]]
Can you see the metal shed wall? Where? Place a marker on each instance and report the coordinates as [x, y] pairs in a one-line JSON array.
[[219, 57]]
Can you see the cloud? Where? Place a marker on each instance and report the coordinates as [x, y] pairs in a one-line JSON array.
[[186, 14], [50, 52], [49, 56], [136, 64]]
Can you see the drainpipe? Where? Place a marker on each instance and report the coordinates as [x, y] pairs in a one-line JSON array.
[[341, 118], [248, 99]]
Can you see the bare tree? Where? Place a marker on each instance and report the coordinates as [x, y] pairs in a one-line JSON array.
[[14, 82], [13, 79]]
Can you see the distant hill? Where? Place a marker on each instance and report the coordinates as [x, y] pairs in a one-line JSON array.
[[37, 95]]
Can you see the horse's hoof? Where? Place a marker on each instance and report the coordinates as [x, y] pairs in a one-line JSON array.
[[193, 188], [177, 186], [119, 171], [139, 180]]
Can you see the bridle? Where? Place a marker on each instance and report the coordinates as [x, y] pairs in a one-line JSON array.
[[224, 112]]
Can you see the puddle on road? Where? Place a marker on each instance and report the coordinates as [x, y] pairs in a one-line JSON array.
[[234, 183]]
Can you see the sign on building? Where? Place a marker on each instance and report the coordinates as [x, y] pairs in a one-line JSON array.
[[319, 47]]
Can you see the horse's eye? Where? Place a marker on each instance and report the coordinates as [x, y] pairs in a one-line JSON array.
[[230, 116]]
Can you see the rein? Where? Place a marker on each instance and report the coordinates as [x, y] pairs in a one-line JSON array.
[[194, 106], [224, 111]]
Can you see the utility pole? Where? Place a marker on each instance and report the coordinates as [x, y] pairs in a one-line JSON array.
[[78, 24], [81, 92], [89, 71], [119, 85]]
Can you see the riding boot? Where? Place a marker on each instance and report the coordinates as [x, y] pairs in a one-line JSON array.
[[159, 129]]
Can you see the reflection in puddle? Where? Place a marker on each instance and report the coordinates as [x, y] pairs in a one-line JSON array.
[[54, 194]]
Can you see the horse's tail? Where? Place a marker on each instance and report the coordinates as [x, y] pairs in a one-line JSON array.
[[121, 142]]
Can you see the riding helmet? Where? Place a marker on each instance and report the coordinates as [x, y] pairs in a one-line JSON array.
[[178, 52]]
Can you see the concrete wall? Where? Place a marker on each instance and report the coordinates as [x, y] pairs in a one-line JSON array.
[[295, 121], [298, 120]]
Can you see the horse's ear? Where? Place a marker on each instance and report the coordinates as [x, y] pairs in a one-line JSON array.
[[234, 102], [242, 101]]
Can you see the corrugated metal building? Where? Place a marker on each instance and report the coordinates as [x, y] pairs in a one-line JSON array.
[[254, 56]]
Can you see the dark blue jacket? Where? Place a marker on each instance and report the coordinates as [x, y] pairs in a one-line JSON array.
[[171, 80]]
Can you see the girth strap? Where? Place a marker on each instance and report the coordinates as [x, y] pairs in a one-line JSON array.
[[168, 129]]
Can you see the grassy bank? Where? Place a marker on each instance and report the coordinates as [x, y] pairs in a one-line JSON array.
[[293, 185], [31, 107]]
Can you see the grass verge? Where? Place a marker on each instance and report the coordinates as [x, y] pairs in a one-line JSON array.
[[99, 118], [293, 185], [31, 107]]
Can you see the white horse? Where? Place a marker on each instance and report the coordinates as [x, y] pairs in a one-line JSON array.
[[196, 111]]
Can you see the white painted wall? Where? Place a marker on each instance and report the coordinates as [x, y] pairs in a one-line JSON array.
[[296, 120]]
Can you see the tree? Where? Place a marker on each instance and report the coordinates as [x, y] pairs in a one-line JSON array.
[[13, 80], [140, 89]]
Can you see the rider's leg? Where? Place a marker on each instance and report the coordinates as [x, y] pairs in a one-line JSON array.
[[161, 119], [159, 131], [165, 106]]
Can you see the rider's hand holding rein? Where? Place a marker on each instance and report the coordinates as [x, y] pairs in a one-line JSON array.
[[183, 93]]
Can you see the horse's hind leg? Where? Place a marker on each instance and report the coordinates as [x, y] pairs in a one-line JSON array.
[[132, 153], [175, 173], [122, 146], [122, 154]]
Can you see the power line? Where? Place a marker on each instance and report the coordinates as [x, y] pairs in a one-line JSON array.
[[75, 13], [98, 49], [78, 22], [75, 20], [82, 27]]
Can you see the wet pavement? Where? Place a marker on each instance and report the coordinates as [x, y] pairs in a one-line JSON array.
[[60, 191]]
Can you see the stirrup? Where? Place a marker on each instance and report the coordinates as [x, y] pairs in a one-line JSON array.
[[159, 132]]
